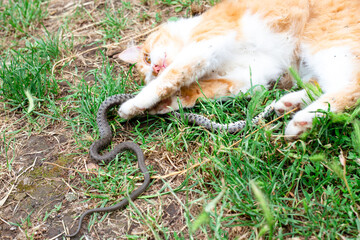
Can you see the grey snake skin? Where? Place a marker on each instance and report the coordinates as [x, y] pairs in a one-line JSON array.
[[233, 127], [106, 137]]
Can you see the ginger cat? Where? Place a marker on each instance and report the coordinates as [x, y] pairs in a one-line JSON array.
[[216, 51]]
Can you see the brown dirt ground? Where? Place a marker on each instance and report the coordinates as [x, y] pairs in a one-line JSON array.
[[45, 161]]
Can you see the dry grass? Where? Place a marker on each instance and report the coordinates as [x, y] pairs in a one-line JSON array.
[[47, 177]]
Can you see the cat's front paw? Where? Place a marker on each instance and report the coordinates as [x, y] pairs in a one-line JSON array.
[[128, 109], [301, 122]]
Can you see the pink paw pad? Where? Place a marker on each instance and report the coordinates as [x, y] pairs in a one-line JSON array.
[[283, 107], [302, 124], [287, 104]]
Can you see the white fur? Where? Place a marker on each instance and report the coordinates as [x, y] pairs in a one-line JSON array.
[[183, 27], [264, 53], [180, 30], [259, 51], [334, 69]]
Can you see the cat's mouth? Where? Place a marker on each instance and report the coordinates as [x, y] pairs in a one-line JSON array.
[[158, 68]]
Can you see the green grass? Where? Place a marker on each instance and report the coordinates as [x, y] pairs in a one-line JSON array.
[[28, 69], [185, 5], [115, 21], [21, 15], [21, 71], [87, 98], [272, 188], [180, 4], [302, 181]]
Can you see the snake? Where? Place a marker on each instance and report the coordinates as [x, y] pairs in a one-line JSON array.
[[106, 137]]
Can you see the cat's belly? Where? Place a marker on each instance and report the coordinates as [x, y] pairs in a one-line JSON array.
[[244, 75]]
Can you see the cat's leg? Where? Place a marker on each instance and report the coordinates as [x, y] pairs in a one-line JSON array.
[[188, 95], [193, 62], [337, 101], [337, 72], [290, 101]]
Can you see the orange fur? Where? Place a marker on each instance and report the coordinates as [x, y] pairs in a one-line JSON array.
[[210, 88], [225, 16], [345, 98], [222, 18], [324, 33], [332, 24], [283, 15], [188, 95]]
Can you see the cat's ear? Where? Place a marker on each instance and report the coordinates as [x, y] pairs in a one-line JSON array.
[[130, 55]]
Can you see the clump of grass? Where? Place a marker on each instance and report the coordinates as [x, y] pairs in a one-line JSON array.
[[50, 46], [114, 22], [27, 72], [184, 5], [307, 197], [21, 15], [264, 205], [88, 97], [179, 4], [204, 217], [22, 71]]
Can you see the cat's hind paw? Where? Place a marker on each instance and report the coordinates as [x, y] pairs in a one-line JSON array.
[[301, 122], [282, 107], [290, 101]]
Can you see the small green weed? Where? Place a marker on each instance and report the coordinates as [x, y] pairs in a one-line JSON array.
[[22, 71], [180, 4], [22, 15], [25, 73], [56, 208], [115, 21]]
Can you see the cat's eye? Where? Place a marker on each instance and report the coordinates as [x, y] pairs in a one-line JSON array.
[[147, 58]]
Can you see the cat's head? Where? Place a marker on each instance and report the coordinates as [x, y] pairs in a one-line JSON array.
[[155, 54]]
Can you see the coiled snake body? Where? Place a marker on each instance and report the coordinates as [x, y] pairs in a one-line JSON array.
[[106, 137]]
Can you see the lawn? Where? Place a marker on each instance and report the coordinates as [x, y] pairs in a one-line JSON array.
[[58, 63]]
